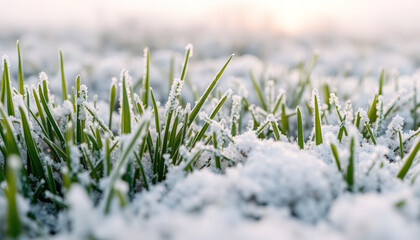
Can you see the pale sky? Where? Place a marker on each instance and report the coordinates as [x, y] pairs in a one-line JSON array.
[[355, 17]]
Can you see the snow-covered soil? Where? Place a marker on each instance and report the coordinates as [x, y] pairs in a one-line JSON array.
[[266, 188]]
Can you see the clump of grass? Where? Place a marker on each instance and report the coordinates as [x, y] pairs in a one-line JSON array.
[[61, 151], [87, 144]]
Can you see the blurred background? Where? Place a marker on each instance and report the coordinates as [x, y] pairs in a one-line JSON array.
[[221, 24], [99, 37]]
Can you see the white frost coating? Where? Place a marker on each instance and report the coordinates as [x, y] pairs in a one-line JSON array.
[[395, 126], [203, 115], [334, 100], [314, 93], [67, 108], [271, 118], [14, 162], [190, 47], [364, 119], [75, 155], [174, 94], [380, 114], [228, 93], [121, 186], [348, 111], [43, 76], [5, 58]]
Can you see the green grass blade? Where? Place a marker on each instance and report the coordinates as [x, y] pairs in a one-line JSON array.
[[145, 182], [300, 128], [188, 54], [284, 120], [258, 90], [212, 116], [20, 70], [275, 130], [381, 81], [205, 95], [335, 155], [372, 114], [401, 145], [8, 90], [10, 140], [125, 109], [126, 151], [350, 167], [318, 131], [327, 93], [36, 163], [3, 88], [146, 84], [156, 113], [372, 137], [14, 224], [409, 161], [99, 121], [112, 97], [63, 78], [51, 119]]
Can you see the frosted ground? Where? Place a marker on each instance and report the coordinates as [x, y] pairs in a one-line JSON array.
[[266, 187]]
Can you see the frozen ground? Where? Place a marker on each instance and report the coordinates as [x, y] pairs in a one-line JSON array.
[[267, 189]]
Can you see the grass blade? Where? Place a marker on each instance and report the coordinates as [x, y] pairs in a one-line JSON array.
[[112, 97], [20, 70], [335, 155], [14, 225], [36, 163], [126, 151], [409, 161], [63, 78], [318, 132], [258, 90], [51, 119], [8, 90], [125, 109], [212, 116], [146, 77], [350, 167], [300, 128], [206, 93]]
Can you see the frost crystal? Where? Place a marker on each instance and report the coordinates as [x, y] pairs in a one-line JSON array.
[[174, 94], [334, 100], [43, 76], [364, 119], [5, 58], [314, 93], [348, 111], [395, 126], [190, 47], [271, 118]]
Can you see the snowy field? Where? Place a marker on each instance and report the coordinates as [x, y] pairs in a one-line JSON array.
[[136, 137]]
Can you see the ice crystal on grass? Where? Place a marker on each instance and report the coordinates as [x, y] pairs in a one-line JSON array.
[[395, 126]]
